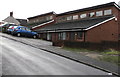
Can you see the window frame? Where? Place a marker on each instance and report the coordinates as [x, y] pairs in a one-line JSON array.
[[84, 15], [75, 17], [80, 35], [99, 13], [108, 12], [69, 18], [92, 14]]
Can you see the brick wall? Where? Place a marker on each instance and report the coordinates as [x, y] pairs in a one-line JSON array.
[[105, 32]]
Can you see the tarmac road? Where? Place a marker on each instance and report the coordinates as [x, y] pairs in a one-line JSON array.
[[21, 59]]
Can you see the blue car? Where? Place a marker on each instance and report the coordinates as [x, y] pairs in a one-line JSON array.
[[24, 31]]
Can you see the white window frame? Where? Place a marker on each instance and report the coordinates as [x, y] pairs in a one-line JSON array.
[[108, 12], [83, 15], [75, 17], [92, 14], [51, 17], [99, 13], [69, 18], [64, 36]]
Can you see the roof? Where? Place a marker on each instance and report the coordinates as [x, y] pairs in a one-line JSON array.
[[22, 21], [41, 15], [74, 25], [90, 8], [11, 19]]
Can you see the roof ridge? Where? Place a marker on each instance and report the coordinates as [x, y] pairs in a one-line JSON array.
[[42, 14], [88, 8]]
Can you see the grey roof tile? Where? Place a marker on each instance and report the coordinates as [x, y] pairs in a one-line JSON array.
[[80, 24]]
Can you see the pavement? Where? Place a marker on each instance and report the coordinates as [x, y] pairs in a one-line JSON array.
[[47, 46]]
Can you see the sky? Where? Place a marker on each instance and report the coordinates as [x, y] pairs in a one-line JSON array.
[[24, 9]]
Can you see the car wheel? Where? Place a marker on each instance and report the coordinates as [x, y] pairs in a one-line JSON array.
[[34, 36], [18, 34]]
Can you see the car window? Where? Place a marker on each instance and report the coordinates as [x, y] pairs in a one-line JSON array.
[[23, 28], [28, 29], [15, 26], [10, 26]]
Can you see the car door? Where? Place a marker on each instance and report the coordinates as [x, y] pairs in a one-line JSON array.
[[29, 33], [23, 31]]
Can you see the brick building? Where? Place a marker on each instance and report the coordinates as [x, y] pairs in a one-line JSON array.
[[93, 24], [39, 21]]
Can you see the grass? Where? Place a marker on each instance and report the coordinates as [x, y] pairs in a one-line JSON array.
[[112, 59], [112, 56], [109, 55], [111, 52], [76, 49]]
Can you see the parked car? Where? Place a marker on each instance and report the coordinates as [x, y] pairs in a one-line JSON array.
[[24, 31], [5, 26], [11, 28]]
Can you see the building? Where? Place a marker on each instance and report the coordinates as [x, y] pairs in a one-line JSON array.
[[11, 19], [93, 24], [39, 21]]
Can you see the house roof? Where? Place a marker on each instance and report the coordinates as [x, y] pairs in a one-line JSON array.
[[90, 8], [11, 20], [41, 15], [75, 25], [22, 21]]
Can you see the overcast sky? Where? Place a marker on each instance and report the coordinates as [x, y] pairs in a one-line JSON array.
[[27, 8]]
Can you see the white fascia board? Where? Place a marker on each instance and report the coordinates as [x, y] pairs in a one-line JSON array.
[[117, 6], [100, 23], [43, 24]]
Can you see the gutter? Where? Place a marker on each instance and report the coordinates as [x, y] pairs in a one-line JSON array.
[[42, 24], [100, 23]]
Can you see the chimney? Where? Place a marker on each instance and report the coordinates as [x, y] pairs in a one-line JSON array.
[[11, 14]]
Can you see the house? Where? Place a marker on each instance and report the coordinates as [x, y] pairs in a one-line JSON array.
[[93, 24], [11, 19]]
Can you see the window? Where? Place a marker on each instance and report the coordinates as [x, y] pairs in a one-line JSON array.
[[75, 17], [37, 20], [34, 21], [83, 15], [23, 28], [51, 17], [47, 18], [72, 36], [62, 36], [92, 14], [49, 36], [99, 13], [69, 18], [62, 19], [107, 12], [79, 35]]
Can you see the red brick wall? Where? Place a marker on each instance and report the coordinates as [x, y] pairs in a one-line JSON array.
[[114, 12], [105, 32]]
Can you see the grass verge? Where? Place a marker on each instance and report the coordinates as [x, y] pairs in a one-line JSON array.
[[109, 55]]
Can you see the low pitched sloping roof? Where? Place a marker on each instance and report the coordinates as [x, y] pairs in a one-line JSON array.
[[89, 8], [73, 25]]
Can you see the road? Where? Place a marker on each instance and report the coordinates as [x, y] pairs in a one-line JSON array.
[[21, 59]]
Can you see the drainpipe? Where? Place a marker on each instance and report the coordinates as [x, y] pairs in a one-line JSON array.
[[84, 36]]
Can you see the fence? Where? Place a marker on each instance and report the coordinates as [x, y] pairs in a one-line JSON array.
[[97, 46]]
